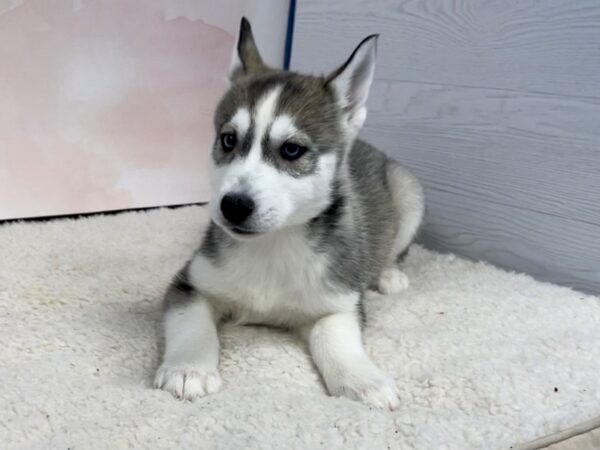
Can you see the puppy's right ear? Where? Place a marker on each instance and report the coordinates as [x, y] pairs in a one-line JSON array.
[[246, 58]]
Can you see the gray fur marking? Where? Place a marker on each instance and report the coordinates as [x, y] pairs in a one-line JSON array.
[[358, 227], [180, 291], [362, 315], [215, 240]]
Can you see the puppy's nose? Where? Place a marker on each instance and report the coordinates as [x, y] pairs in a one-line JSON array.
[[237, 207]]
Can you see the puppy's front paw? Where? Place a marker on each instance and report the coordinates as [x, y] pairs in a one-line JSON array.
[[373, 387], [392, 281], [187, 382]]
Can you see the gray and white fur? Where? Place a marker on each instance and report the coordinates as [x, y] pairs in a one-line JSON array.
[[305, 218]]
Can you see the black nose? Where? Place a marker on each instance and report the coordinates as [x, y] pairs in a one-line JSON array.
[[236, 207]]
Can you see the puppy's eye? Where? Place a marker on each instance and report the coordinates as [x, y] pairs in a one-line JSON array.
[[228, 141], [291, 151]]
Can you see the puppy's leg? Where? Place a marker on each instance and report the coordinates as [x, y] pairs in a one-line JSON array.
[[409, 202], [189, 367], [337, 350]]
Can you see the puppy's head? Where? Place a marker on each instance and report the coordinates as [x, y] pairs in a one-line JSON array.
[[280, 138]]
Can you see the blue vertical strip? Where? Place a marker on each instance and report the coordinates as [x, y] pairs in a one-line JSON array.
[[287, 56]]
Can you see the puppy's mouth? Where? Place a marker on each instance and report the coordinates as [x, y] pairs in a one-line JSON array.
[[244, 231], [240, 233]]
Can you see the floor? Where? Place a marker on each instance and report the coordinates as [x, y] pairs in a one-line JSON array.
[[483, 358]]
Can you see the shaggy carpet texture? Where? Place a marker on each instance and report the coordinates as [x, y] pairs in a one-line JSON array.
[[484, 359]]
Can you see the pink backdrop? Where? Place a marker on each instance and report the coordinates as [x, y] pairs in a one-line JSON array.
[[108, 104]]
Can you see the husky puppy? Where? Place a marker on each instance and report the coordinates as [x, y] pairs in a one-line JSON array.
[[305, 218]]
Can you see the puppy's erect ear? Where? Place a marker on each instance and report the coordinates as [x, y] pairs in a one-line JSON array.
[[353, 79], [246, 58]]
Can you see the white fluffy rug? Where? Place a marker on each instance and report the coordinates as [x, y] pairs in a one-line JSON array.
[[483, 358]]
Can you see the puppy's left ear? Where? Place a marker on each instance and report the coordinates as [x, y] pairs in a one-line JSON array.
[[246, 57], [352, 81]]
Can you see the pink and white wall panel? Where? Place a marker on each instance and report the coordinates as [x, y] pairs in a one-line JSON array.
[[107, 104]]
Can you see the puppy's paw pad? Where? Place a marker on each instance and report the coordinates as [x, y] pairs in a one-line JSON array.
[[379, 391], [187, 382], [392, 281]]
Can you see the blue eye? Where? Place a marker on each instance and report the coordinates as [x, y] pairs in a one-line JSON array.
[[291, 151], [228, 141]]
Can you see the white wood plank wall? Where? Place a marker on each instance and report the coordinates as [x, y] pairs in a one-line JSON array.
[[496, 106]]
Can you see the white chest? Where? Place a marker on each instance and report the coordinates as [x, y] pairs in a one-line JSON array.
[[278, 279]]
